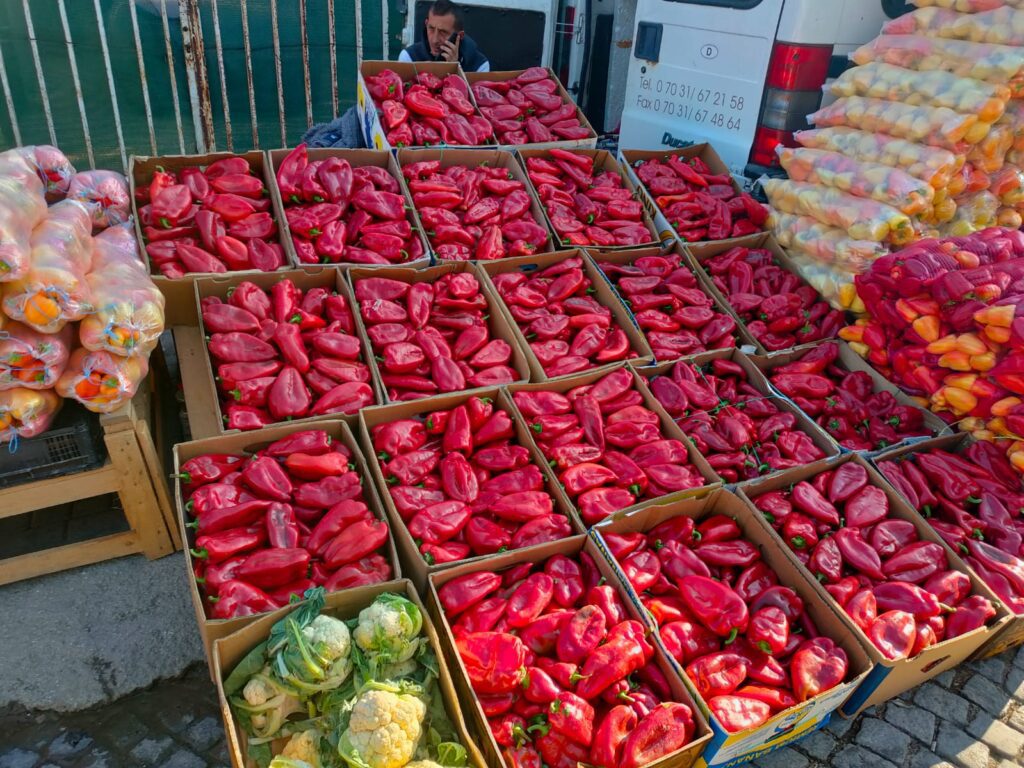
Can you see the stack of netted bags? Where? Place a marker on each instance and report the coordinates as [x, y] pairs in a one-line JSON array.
[[923, 140]]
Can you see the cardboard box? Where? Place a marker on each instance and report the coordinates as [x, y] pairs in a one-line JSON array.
[[669, 429], [413, 564], [888, 678], [311, 277], [853, 362], [603, 161], [683, 758], [702, 252], [499, 324], [674, 248], [356, 158], [630, 158], [248, 442], [496, 158], [180, 309], [230, 650], [588, 143], [374, 133], [757, 380], [605, 295], [1012, 633], [727, 749]]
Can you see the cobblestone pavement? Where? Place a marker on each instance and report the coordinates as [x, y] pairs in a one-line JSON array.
[[971, 717]]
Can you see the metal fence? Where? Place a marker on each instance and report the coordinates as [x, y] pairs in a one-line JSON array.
[[106, 79]]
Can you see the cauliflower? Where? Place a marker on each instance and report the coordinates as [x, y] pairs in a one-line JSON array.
[[388, 630], [384, 729], [304, 746], [330, 639], [267, 704]]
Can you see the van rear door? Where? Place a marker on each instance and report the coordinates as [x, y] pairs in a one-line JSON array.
[[697, 73]]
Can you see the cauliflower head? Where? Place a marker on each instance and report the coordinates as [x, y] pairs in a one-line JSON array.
[[330, 639], [304, 747], [389, 629], [266, 704], [384, 730]]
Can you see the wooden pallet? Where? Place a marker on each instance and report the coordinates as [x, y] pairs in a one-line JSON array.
[[133, 471]]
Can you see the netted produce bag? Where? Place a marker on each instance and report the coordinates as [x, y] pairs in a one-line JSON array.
[[974, 212], [829, 245], [872, 180], [129, 309], [989, 154], [1010, 218], [54, 290], [968, 6], [834, 284], [1008, 185], [50, 165], [879, 80], [105, 194], [998, 64], [862, 219], [26, 412], [22, 207], [930, 164], [1000, 26], [935, 126], [32, 359], [100, 381]]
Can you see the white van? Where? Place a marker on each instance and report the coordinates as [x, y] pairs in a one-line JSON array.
[[741, 74]]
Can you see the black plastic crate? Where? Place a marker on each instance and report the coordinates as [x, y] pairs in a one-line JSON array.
[[73, 444]]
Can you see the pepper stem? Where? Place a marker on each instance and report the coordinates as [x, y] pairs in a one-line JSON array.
[[731, 637]]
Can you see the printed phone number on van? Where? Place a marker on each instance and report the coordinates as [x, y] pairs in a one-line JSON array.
[[664, 95], [690, 113]]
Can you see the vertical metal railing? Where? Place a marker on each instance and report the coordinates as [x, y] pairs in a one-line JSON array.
[[146, 76]]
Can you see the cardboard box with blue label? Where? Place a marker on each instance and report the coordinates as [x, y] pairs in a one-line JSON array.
[[735, 748], [889, 677], [373, 130]]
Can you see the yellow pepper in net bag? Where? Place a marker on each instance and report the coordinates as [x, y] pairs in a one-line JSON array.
[[879, 80], [935, 126], [27, 412], [835, 285], [100, 381], [873, 180], [828, 245], [930, 164], [1000, 26], [998, 64], [862, 219]]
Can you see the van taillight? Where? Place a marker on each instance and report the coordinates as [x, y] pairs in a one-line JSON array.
[[796, 74]]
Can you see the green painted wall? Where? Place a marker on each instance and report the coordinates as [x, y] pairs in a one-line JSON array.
[[99, 113]]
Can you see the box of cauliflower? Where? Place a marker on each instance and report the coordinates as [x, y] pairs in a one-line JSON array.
[[348, 680]]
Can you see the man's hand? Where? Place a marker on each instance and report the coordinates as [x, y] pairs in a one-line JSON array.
[[450, 50]]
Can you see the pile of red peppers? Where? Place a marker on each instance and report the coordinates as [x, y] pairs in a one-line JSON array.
[[606, 447], [212, 219], [528, 109], [568, 329], [340, 214], [269, 526], [778, 308], [741, 432], [588, 206], [428, 112], [463, 484], [699, 204], [432, 337], [845, 403], [900, 590], [973, 500], [480, 213], [747, 643], [284, 354], [675, 314], [560, 671]]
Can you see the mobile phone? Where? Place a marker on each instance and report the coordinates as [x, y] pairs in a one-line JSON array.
[[453, 38]]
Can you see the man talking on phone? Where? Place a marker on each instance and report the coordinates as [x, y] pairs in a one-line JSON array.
[[445, 40]]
